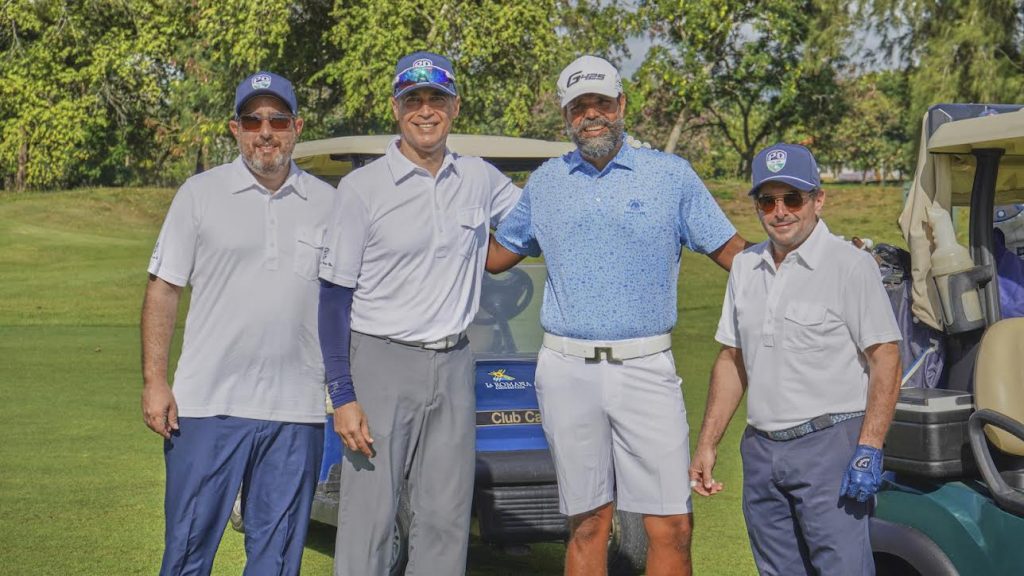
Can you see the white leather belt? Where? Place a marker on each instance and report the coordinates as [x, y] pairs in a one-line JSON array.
[[610, 350], [442, 344]]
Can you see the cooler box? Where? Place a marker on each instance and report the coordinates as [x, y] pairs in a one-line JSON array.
[[928, 436]]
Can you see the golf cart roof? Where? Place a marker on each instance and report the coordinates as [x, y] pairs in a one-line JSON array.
[[332, 158], [958, 139]]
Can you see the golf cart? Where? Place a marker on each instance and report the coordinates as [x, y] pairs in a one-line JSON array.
[[515, 498], [952, 499]]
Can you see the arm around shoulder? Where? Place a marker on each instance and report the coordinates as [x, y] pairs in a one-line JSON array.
[[499, 258], [725, 253]]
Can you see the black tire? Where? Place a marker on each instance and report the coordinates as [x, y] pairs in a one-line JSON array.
[[400, 541], [627, 546]]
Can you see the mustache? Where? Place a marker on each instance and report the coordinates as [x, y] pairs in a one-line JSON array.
[[592, 122]]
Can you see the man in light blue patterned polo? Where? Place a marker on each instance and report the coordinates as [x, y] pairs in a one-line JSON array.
[[611, 220]]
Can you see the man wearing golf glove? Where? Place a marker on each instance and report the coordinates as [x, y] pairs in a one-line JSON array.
[[808, 333]]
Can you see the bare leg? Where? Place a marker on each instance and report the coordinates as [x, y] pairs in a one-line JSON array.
[[668, 551], [587, 552]]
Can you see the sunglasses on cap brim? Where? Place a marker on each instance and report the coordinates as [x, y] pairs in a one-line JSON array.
[[423, 75]]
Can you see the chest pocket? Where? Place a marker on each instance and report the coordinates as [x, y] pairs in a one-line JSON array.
[[472, 231], [309, 246], [805, 327]]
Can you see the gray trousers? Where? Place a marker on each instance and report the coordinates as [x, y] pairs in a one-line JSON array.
[[796, 520], [420, 406]]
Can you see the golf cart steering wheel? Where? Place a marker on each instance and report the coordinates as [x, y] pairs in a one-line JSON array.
[[504, 296]]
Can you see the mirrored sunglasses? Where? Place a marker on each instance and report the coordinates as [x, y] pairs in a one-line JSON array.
[[254, 123], [423, 75], [793, 200]]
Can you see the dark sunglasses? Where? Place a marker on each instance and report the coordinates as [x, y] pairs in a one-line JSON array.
[[254, 123], [793, 200], [423, 75]]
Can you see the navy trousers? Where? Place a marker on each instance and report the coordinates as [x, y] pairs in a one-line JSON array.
[[275, 463], [796, 520]]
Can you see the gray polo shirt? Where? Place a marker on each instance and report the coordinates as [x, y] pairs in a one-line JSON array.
[[413, 246], [251, 347]]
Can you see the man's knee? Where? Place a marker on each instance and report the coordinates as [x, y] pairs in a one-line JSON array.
[[669, 531], [594, 524]]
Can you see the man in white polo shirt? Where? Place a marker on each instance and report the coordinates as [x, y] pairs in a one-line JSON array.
[[247, 404], [404, 266], [808, 332], [612, 219]]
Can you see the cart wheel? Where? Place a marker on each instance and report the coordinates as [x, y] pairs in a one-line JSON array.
[[400, 540], [627, 546]]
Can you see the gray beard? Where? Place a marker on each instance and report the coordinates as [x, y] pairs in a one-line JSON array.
[[266, 168], [600, 146]]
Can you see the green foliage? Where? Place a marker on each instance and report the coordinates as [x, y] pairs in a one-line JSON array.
[[506, 56], [952, 50], [752, 71], [873, 135], [77, 83]]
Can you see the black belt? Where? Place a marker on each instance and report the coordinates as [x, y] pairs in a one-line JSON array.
[[812, 425]]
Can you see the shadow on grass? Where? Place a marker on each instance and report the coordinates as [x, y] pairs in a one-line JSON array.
[[484, 559]]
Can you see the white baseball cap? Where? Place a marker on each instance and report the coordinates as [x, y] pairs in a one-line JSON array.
[[588, 75]]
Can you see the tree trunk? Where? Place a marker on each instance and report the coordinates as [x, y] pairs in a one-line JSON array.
[[677, 130], [22, 172]]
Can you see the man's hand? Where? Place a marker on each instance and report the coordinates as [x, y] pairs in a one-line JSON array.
[[701, 480], [159, 410], [864, 474], [350, 423]]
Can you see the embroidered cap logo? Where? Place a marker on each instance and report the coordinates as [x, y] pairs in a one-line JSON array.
[[260, 82], [775, 160]]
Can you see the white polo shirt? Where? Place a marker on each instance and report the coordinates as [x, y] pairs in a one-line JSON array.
[[413, 246], [251, 347], [803, 328]]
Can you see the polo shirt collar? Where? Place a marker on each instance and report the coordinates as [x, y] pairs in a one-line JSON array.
[[401, 167], [624, 158], [241, 179], [810, 253]]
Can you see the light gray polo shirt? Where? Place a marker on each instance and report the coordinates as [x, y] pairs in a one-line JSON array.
[[251, 347], [413, 246], [803, 328]]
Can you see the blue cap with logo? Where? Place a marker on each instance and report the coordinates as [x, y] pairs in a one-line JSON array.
[[266, 83], [423, 69], [789, 163]]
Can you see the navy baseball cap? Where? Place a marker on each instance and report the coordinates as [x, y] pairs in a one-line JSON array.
[[266, 83], [789, 163], [423, 69]]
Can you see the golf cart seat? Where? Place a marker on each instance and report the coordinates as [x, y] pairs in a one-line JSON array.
[[999, 414]]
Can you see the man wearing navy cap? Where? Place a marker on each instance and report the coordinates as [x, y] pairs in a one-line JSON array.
[[808, 333], [247, 404], [400, 285]]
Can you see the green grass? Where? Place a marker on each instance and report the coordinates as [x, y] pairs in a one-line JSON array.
[[81, 478]]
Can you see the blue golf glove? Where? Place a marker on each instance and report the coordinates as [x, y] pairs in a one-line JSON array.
[[864, 474]]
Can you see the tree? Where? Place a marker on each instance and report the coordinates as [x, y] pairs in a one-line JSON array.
[[751, 70], [77, 83], [506, 55], [873, 135], [951, 50]]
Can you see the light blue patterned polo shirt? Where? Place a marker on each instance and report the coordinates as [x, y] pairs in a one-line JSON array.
[[612, 240]]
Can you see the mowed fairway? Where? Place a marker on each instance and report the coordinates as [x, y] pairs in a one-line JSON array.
[[81, 478]]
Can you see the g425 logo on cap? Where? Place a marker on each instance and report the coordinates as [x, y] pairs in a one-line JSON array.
[[422, 63], [261, 81], [577, 76], [775, 160]]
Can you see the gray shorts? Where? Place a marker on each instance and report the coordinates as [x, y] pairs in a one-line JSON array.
[[617, 431]]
